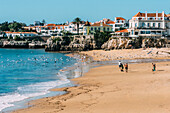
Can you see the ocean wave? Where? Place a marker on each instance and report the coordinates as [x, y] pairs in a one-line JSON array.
[[29, 91]]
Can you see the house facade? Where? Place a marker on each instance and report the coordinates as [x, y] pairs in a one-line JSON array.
[[150, 25], [99, 26], [20, 34], [120, 23]]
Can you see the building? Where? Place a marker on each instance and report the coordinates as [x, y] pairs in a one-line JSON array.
[[122, 33], [73, 27], [111, 23], [120, 23], [20, 34], [100, 26], [149, 25]]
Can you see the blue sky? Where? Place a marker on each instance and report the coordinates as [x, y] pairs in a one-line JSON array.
[[58, 11]]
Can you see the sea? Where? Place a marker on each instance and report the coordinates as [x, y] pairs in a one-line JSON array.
[[30, 73]]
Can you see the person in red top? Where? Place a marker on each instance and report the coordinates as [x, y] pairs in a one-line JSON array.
[[126, 67]]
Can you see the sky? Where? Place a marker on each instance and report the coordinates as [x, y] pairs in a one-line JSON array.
[[60, 11]]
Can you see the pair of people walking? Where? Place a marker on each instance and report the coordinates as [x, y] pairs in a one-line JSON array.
[[121, 66]]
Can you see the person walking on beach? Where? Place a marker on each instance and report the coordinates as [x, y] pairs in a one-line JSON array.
[[154, 67], [120, 65], [126, 67], [122, 68]]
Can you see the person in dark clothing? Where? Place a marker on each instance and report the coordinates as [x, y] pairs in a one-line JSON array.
[[154, 67], [122, 67]]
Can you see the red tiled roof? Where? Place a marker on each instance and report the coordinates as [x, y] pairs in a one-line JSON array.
[[168, 15], [59, 26], [98, 24], [110, 22], [122, 31], [21, 32], [119, 18], [139, 14], [50, 25]]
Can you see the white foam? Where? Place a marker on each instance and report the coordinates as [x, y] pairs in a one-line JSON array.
[[29, 91]]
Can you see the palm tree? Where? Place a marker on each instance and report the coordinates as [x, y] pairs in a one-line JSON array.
[[77, 21]]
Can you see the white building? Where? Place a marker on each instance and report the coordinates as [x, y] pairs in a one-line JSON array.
[[120, 23], [20, 34], [73, 27], [153, 25]]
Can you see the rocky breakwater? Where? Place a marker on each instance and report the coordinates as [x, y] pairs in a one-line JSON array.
[[127, 43], [117, 43], [75, 43], [37, 44], [14, 44]]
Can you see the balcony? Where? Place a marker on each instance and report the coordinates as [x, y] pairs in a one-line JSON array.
[[153, 28]]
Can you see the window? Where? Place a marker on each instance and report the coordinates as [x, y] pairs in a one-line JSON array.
[[95, 28], [136, 33], [148, 32], [132, 32], [135, 24], [99, 29], [92, 29], [153, 24], [104, 29], [107, 29], [143, 24], [148, 24], [159, 25], [142, 32]]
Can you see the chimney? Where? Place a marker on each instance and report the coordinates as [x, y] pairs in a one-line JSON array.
[[156, 15], [163, 15], [146, 15]]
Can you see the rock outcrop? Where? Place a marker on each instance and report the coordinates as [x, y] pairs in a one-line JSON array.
[[76, 43], [126, 43], [117, 43]]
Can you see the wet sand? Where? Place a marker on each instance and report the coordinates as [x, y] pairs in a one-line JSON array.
[[107, 90]]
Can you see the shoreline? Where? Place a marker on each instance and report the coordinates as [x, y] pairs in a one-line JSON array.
[[71, 94], [66, 89], [64, 72], [89, 85]]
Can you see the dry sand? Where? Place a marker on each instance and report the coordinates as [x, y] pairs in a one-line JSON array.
[[101, 55], [107, 90]]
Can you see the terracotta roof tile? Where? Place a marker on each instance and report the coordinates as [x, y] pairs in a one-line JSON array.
[[122, 31], [50, 25], [98, 24], [110, 22], [21, 32], [119, 18], [139, 14]]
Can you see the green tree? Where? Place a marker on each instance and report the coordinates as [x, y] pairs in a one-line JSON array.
[[17, 38], [4, 26], [43, 22], [77, 21], [101, 37]]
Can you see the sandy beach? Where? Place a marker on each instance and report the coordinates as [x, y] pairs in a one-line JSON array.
[[149, 53], [105, 89]]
